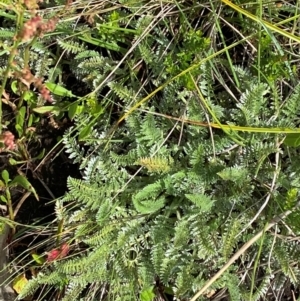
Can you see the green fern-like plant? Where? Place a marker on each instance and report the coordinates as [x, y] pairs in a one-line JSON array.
[[163, 204]]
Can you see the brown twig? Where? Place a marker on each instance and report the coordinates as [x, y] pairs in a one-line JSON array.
[[20, 203]]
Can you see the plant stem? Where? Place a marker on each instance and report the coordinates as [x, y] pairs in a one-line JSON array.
[[9, 64], [9, 205]]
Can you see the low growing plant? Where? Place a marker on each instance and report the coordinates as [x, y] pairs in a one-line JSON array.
[[185, 154], [163, 205]]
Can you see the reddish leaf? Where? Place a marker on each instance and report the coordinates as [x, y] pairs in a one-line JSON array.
[[58, 253], [64, 250], [53, 254]]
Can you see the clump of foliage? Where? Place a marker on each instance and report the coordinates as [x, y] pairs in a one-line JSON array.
[[203, 158]]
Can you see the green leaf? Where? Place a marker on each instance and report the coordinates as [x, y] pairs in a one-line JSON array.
[[30, 97], [147, 294], [80, 109], [36, 119], [21, 114], [291, 198], [59, 90], [12, 161], [3, 199], [47, 109], [30, 120], [2, 185], [39, 259], [235, 174], [72, 110], [41, 154], [14, 87], [147, 207], [19, 129], [20, 117], [85, 132], [202, 201], [292, 140], [109, 45], [5, 176], [22, 181]]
